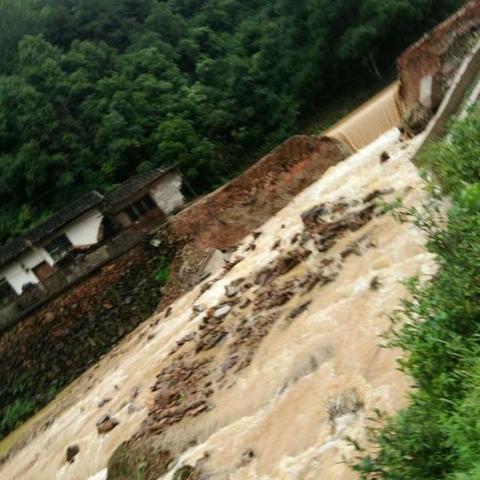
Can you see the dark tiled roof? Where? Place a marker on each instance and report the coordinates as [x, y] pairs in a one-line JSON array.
[[13, 249], [72, 211], [133, 185]]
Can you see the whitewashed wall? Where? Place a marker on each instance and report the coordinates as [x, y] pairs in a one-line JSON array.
[[18, 273], [167, 193], [85, 230]]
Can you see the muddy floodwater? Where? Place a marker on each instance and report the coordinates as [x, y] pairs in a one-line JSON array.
[[292, 360]]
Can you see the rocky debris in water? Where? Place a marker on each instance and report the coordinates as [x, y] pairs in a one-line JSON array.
[[248, 335], [295, 239], [297, 311], [376, 194], [351, 219], [134, 392], [106, 424], [231, 291], [168, 312], [353, 248], [103, 402], [281, 266], [244, 303], [235, 261], [72, 452], [187, 338], [210, 341], [384, 157], [180, 391], [289, 261], [255, 235], [276, 244], [228, 364], [237, 282], [344, 404], [247, 457], [199, 308], [263, 276], [222, 311], [274, 297], [375, 283], [314, 214], [205, 287]]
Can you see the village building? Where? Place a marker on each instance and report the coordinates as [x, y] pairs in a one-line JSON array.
[[35, 257]]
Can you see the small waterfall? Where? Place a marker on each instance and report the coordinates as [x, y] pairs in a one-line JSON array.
[[368, 122]]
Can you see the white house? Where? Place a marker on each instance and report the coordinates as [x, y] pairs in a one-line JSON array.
[[39, 253], [32, 257]]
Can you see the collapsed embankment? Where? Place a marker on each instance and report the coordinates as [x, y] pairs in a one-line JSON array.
[[223, 218], [252, 373], [54, 345]]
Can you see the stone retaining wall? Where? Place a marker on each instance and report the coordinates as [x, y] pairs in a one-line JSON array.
[[54, 345], [426, 69]]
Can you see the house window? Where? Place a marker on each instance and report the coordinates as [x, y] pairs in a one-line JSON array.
[[59, 248], [7, 293], [140, 208]]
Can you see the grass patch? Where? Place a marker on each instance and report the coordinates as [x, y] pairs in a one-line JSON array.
[[164, 272], [138, 459]]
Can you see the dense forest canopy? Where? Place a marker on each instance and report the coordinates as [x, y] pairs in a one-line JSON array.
[[93, 91]]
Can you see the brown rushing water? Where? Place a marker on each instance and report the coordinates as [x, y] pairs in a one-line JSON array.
[[381, 113], [312, 382]]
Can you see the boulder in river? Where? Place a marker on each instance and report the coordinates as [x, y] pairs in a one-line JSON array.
[[72, 452], [106, 424], [222, 311]]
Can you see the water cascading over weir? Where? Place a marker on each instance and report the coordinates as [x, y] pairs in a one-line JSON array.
[[369, 121]]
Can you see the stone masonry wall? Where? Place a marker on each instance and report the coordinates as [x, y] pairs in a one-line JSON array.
[[426, 68], [59, 341]]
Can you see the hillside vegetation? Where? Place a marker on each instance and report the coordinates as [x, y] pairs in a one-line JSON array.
[[92, 91], [438, 435]]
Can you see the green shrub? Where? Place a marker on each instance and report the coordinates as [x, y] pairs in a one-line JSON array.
[[162, 275], [15, 414]]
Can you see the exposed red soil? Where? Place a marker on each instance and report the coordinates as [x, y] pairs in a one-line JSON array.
[[221, 219]]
